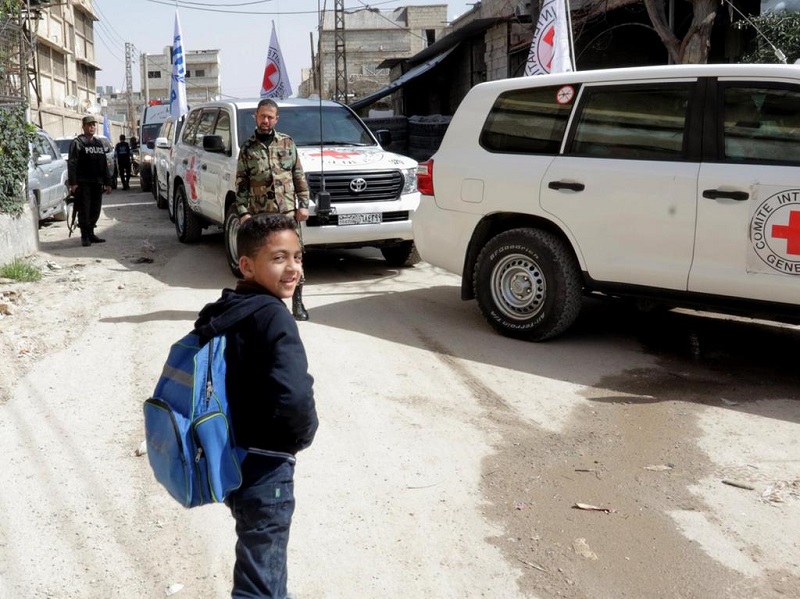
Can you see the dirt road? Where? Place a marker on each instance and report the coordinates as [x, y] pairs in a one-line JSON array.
[[449, 461]]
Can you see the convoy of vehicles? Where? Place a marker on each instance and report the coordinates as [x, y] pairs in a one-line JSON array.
[[373, 193], [674, 185]]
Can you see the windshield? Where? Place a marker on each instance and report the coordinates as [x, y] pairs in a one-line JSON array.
[[149, 132], [339, 126]]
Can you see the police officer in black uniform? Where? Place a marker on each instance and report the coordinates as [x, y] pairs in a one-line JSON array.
[[89, 176]]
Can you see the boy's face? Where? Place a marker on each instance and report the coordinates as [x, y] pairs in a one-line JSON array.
[[278, 265]]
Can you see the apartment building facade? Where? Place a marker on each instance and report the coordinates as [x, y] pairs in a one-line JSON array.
[[203, 76]]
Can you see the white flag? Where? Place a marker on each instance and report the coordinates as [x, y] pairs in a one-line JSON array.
[[276, 80], [177, 89], [550, 47]]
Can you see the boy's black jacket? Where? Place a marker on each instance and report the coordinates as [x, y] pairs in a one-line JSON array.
[[270, 392]]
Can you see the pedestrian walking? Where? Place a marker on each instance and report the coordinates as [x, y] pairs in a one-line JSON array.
[[271, 399], [88, 176], [123, 152], [270, 178]]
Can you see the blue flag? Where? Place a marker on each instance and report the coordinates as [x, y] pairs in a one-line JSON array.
[[106, 128], [177, 91]]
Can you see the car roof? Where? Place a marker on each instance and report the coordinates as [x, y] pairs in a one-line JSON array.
[[646, 73]]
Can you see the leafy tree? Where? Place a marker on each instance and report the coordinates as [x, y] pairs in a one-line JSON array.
[[782, 29]]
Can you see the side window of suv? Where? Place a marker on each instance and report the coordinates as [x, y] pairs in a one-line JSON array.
[[761, 125], [206, 125], [634, 123], [223, 129], [191, 127], [528, 121]]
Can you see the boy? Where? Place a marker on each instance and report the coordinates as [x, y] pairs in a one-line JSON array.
[[271, 400]]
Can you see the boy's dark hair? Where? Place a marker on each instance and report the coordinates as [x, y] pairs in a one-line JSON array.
[[269, 103], [254, 232]]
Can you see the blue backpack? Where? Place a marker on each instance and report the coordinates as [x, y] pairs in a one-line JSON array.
[[190, 443]]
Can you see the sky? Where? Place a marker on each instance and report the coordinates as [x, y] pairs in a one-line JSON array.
[[240, 29]]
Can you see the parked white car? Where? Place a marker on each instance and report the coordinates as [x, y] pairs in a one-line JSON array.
[[47, 178], [373, 192], [678, 185]]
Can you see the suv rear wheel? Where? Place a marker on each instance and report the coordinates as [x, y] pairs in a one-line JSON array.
[[231, 230], [528, 284], [402, 254], [187, 224]]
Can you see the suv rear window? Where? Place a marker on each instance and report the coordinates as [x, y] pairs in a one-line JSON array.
[[761, 125], [528, 121], [639, 123]]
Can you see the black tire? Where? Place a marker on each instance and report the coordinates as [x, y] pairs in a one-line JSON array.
[[528, 284], [402, 254], [145, 181], [187, 223], [230, 230], [154, 190]]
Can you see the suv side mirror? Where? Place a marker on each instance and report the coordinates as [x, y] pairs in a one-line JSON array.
[[384, 137], [43, 159], [162, 143], [151, 145], [214, 143]]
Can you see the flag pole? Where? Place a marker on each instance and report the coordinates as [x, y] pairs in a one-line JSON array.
[[569, 33]]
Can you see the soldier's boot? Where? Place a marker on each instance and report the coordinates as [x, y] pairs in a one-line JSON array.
[[85, 239], [298, 309], [94, 238]]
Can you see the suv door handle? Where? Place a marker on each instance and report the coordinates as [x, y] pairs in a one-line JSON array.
[[565, 185], [204, 167], [716, 194]]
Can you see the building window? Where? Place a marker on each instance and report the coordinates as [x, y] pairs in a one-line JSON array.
[[430, 36], [154, 74], [200, 73]]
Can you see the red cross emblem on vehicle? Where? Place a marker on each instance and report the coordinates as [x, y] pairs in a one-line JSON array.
[[790, 232], [191, 179], [335, 154]]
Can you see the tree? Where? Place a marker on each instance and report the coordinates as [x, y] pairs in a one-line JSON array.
[[779, 30], [693, 47]]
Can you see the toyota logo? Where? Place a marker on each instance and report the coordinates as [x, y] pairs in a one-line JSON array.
[[358, 185]]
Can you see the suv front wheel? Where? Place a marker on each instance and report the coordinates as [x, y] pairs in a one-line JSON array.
[[528, 284], [187, 224], [402, 254], [231, 231]]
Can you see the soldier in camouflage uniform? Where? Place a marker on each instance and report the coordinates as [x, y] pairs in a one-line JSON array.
[[270, 178]]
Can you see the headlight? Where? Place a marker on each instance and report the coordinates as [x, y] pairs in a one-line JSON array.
[[410, 184], [148, 158]]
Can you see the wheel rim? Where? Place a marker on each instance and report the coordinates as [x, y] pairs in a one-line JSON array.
[[231, 231], [180, 202], [518, 287]]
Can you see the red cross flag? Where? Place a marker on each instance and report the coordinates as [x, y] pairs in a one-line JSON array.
[[276, 80], [551, 48]]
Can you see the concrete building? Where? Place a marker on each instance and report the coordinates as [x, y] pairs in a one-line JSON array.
[[63, 69], [203, 78], [370, 37]]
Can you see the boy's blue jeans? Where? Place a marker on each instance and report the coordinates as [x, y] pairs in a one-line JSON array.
[[262, 507]]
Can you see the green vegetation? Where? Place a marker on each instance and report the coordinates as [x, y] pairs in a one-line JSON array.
[[17, 132], [21, 270], [782, 29]]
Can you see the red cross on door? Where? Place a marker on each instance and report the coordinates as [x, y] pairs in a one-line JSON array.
[[790, 232]]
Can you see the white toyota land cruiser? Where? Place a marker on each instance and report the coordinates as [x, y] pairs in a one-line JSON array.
[[678, 184], [373, 192]]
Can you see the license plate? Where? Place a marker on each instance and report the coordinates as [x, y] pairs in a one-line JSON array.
[[361, 219]]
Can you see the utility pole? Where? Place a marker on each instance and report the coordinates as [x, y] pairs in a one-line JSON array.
[[129, 86], [340, 54]]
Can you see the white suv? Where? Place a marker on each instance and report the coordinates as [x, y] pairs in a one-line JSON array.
[[373, 192], [677, 184]]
